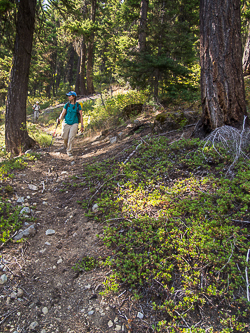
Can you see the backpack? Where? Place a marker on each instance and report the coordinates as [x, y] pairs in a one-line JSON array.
[[77, 111]]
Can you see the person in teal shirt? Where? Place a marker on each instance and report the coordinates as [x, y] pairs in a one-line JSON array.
[[70, 122]]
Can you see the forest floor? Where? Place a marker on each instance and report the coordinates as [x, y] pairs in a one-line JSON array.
[[43, 293]]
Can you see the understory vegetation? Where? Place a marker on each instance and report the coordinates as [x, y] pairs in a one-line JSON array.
[[176, 218], [178, 230], [10, 218]]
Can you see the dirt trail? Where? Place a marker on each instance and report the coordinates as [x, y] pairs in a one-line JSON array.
[[43, 293]]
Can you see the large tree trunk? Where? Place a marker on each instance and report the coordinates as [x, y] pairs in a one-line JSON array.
[[89, 73], [90, 56], [16, 135], [77, 84], [246, 56], [80, 75], [143, 25], [83, 90], [69, 76], [222, 84]]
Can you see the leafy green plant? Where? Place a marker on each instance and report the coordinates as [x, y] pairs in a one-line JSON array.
[[85, 264], [173, 222], [10, 220]]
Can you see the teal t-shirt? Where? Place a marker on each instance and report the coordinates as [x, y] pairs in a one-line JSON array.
[[71, 115]]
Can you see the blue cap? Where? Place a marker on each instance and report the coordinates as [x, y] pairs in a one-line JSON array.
[[71, 93]]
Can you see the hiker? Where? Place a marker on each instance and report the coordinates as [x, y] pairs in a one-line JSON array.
[[72, 113], [36, 109]]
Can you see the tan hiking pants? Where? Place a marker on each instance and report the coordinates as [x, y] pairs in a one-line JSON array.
[[68, 134]]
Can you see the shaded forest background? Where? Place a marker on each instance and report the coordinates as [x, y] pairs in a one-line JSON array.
[[91, 45]]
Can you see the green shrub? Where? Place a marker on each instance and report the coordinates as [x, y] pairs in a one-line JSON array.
[[170, 219]]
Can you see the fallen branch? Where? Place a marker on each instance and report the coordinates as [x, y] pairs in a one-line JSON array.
[[246, 271], [227, 261], [133, 152], [7, 315], [241, 221], [182, 318], [121, 174]]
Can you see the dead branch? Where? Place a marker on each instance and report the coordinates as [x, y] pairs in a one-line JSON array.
[[246, 271]]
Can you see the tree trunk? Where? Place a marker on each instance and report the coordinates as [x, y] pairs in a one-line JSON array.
[[222, 84], [16, 135], [77, 85], [89, 72], [143, 25], [246, 56], [69, 76], [83, 90]]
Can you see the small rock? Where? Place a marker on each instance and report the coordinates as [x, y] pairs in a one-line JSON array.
[[32, 187], [19, 292], [113, 140], [118, 328], [33, 325], [64, 172], [140, 315], [136, 121], [95, 208], [45, 310], [50, 232], [120, 134], [29, 151], [20, 200], [91, 312], [110, 323], [72, 163], [30, 231], [116, 320], [59, 261], [88, 286], [25, 210], [13, 295], [47, 243], [3, 279], [43, 331]]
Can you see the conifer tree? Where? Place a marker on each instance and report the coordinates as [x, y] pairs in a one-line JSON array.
[[222, 84]]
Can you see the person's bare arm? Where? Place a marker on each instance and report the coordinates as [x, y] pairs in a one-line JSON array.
[[61, 115]]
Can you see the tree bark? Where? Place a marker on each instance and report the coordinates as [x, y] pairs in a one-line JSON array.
[[90, 56], [16, 135], [222, 84], [69, 76], [80, 76], [246, 56], [89, 73], [143, 25]]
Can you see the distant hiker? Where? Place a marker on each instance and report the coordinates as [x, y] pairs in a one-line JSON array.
[[72, 114], [36, 109]]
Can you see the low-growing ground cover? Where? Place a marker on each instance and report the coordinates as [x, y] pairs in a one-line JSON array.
[[10, 218], [175, 233], [179, 232]]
